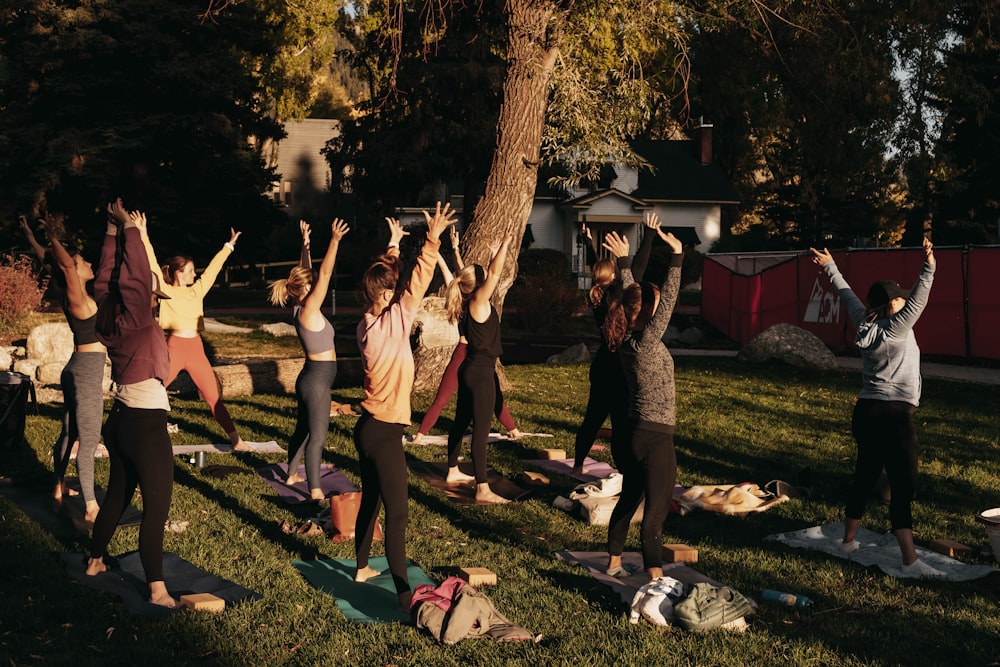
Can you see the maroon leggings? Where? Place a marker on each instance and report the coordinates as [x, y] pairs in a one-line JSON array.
[[449, 385]]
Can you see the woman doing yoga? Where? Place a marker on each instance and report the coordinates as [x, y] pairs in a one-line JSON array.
[[635, 327], [890, 392], [312, 387], [468, 303], [449, 381], [183, 317], [135, 432], [384, 342]]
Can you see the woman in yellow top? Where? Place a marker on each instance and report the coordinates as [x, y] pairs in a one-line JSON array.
[[182, 315]]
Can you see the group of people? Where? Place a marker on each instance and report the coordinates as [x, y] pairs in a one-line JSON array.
[[632, 380]]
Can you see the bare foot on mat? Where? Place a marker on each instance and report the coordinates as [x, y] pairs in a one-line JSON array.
[[366, 573]]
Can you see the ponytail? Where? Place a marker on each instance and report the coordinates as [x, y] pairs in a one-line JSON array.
[[614, 327], [278, 292], [602, 274], [461, 290], [173, 265]]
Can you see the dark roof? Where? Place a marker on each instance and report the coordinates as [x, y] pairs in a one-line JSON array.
[[679, 176]]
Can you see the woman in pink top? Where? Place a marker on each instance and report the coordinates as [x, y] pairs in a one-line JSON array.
[[384, 342]]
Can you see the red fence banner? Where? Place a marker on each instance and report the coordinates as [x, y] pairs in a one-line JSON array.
[[742, 295]]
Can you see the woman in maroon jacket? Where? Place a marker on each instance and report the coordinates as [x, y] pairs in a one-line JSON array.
[[135, 432]]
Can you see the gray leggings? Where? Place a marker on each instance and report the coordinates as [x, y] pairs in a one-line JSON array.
[[312, 388], [83, 399]]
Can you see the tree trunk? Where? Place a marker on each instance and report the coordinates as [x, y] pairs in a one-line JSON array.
[[510, 186]]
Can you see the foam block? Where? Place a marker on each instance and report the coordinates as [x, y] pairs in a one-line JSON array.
[[203, 602], [679, 553], [551, 454], [478, 576], [950, 548], [531, 477]]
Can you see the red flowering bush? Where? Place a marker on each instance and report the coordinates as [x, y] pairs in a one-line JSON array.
[[20, 291]]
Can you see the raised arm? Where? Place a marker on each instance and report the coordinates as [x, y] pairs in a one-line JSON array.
[[652, 224], [852, 304], [459, 262], [423, 272], [317, 293], [903, 321], [589, 246], [305, 258], [669, 290], [617, 245], [207, 278], [32, 241], [81, 305], [479, 306]]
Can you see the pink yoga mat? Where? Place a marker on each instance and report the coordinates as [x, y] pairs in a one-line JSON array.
[[594, 469]]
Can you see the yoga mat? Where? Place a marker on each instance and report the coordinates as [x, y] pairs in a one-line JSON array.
[[596, 562], [269, 447], [464, 494], [373, 601], [36, 502], [442, 440], [78, 508], [331, 480], [594, 469], [881, 551], [125, 580]]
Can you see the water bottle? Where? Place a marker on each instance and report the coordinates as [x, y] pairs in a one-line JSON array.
[[786, 598]]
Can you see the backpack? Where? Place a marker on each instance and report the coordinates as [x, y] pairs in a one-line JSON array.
[[707, 607]]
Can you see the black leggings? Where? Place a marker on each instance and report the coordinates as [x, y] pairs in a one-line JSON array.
[[479, 397], [608, 397], [141, 454], [312, 389], [650, 472], [383, 481], [886, 439]]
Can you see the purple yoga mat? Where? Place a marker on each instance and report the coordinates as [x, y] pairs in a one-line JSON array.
[[595, 469], [332, 481]]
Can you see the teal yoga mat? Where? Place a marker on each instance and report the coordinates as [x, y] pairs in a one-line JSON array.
[[374, 601]]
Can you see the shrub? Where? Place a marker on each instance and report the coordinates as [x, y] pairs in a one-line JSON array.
[[542, 303], [20, 292]]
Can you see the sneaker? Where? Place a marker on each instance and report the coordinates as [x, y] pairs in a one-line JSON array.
[[919, 568], [848, 547]]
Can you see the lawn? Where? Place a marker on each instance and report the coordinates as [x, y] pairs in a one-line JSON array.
[[736, 423]]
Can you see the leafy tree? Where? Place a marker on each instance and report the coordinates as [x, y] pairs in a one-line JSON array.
[[147, 100]]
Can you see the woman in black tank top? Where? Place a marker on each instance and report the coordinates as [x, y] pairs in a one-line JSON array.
[[468, 301]]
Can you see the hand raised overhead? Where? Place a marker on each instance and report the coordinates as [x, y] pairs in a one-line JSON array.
[[443, 218], [821, 258], [616, 244]]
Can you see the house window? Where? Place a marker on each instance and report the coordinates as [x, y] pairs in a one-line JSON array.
[[281, 193]]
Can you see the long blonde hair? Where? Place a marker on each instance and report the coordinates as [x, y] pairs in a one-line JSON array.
[[296, 285], [461, 289]]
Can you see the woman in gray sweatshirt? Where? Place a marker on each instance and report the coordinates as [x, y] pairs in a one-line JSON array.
[[634, 327], [882, 423]]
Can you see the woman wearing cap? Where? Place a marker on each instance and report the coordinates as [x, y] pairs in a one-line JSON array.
[[882, 423], [182, 315]]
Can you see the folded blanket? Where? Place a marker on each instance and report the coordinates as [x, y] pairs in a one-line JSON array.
[[728, 499]]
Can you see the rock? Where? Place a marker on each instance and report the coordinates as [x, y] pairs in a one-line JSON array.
[[278, 329], [213, 325], [691, 336], [789, 344], [6, 360], [27, 366], [671, 335], [52, 342], [50, 372], [577, 354]]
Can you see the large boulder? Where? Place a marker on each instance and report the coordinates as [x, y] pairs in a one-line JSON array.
[[6, 360], [788, 344], [577, 354], [279, 329], [50, 343]]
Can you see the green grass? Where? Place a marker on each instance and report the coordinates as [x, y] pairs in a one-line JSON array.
[[735, 423]]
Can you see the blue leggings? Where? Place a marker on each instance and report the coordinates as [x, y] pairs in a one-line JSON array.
[[83, 401], [383, 481], [312, 388]]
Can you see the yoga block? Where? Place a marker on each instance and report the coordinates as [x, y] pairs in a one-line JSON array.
[[551, 454], [203, 602], [950, 548], [679, 553], [531, 477], [478, 576]]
